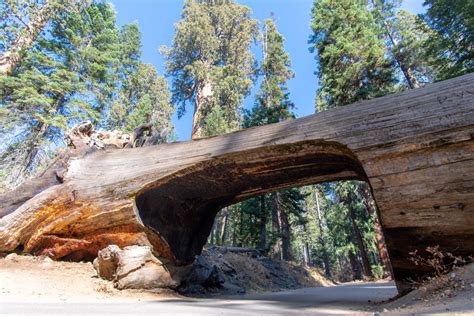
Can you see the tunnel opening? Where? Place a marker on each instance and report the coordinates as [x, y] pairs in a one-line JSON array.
[[327, 230], [182, 206]]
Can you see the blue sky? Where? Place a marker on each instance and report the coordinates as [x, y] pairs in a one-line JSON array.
[[156, 19]]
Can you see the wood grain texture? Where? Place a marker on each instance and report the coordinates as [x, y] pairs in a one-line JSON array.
[[416, 149]]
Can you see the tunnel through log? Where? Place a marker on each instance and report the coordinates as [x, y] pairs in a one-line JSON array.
[[191, 199]]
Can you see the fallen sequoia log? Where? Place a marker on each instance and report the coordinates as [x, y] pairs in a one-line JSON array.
[[415, 149]]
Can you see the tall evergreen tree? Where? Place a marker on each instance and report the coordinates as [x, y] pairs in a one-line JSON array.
[[67, 76], [350, 51], [353, 66], [406, 36], [273, 105], [210, 60], [453, 20], [21, 23]]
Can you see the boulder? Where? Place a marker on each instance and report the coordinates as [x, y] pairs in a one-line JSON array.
[[133, 267]]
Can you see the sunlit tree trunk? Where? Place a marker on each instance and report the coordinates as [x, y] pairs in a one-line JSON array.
[[322, 238], [381, 247], [10, 59], [276, 226], [203, 96]]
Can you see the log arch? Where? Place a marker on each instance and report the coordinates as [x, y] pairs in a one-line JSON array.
[[191, 198]]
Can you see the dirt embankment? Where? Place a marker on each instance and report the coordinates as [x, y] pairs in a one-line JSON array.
[[452, 293], [220, 272]]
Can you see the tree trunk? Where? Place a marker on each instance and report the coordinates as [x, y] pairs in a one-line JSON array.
[[355, 266], [225, 219], [166, 196], [360, 244], [381, 246], [306, 256], [322, 239], [10, 59], [285, 235], [276, 226], [263, 225], [203, 95]]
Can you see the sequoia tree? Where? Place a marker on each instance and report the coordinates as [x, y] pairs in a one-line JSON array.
[[210, 61], [22, 22]]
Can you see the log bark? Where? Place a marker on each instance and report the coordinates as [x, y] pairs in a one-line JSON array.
[[415, 149]]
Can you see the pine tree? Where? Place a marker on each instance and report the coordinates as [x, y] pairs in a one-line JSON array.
[[21, 23], [144, 99], [350, 51], [210, 60], [353, 66], [453, 20], [273, 105], [406, 36], [272, 102], [67, 76]]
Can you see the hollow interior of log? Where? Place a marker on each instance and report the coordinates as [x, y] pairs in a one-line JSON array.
[[182, 208]]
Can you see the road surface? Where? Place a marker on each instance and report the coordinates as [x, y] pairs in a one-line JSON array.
[[350, 298]]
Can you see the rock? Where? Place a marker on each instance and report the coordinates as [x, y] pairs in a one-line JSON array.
[[106, 262], [134, 267], [210, 273], [12, 257]]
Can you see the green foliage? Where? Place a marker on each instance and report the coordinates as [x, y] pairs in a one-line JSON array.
[[407, 37], [67, 76], [144, 98], [350, 51], [272, 102], [453, 20], [81, 67], [210, 61]]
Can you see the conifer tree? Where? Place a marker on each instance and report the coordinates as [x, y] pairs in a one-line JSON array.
[[350, 52], [22, 22], [210, 61], [407, 36], [353, 66], [453, 20]]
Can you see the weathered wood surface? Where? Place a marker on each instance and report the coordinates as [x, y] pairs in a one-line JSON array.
[[415, 148]]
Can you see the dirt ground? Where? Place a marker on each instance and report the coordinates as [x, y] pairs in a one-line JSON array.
[[31, 278], [449, 294], [26, 279]]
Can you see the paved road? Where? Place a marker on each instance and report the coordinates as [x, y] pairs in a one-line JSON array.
[[342, 299]]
